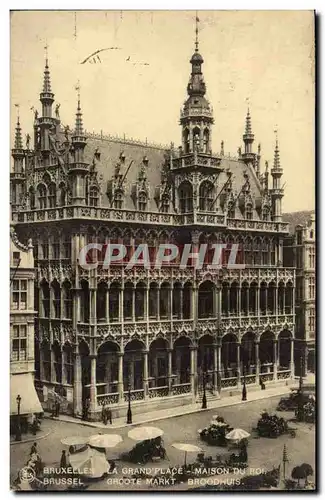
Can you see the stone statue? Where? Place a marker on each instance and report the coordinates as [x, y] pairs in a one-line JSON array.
[[57, 111], [35, 114], [66, 133], [27, 141], [117, 169]]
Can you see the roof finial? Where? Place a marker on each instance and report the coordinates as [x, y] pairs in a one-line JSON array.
[[276, 163], [77, 87], [17, 106], [197, 20], [79, 124]]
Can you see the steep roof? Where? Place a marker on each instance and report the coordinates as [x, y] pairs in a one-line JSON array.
[[297, 218]]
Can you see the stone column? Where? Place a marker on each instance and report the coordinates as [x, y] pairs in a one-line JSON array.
[[120, 378], [292, 361], [170, 370], [193, 351], [215, 369], [275, 305], [238, 365], [239, 301], [107, 305], [219, 365], [146, 304], [145, 375], [275, 360], [121, 304], [257, 301], [181, 303], [257, 362], [77, 386], [247, 300], [158, 303], [228, 301], [133, 304], [93, 389]]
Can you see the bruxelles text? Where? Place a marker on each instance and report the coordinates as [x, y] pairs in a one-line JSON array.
[[214, 257]]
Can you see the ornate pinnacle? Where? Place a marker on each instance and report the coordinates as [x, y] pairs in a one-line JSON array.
[[248, 129], [276, 163], [197, 20], [18, 137], [79, 126]]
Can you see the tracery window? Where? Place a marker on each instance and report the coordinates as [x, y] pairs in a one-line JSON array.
[[249, 212], [93, 197], [118, 199], [206, 196], [52, 196], [42, 202], [185, 197]]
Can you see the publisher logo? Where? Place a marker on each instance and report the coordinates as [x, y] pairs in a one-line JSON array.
[[27, 474]]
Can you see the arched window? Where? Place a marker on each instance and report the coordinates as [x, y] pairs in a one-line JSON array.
[[186, 141], [67, 300], [196, 139], [93, 197], [185, 197], [206, 141], [118, 199], [68, 363], [62, 195], [57, 362], [45, 294], [31, 198], [142, 201], [206, 196], [56, 299], [52, 195], [42, 196]]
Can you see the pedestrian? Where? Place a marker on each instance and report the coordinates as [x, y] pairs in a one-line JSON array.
[[33, 449], [104, 417], [63, 461], [109, 415], [57, 408], [53, 410]]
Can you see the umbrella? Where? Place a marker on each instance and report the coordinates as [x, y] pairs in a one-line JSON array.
[[237, 435], [92, 462], [75, 441], [144, 433], [187, 448], [218, 424], [104, 440]]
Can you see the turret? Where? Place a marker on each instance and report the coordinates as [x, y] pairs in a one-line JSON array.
[[78, 169], [17, 176], [196, 116], [248, 137], [276, 191]]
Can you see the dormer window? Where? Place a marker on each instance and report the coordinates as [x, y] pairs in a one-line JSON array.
[[118, 200], [265, 214], [249, 212], [93, 197], [142, 202], [231, 210], [165, 204]]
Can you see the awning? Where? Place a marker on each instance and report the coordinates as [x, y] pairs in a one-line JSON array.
[[23, 384]]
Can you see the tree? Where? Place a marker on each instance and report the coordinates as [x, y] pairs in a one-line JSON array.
[[307, 470], [298, 473]]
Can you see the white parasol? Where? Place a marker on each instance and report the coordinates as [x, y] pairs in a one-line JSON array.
[[104, 440], [91, 463], [237, 435], [144, 433], [75, 441], [218, 424], [187, 448]]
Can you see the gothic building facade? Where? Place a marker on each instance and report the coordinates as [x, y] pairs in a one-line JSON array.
[[157, 333]]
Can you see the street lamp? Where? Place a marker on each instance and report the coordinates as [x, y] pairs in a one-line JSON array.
[[129, 413], [18, 429], [244, 392], [204, 397]]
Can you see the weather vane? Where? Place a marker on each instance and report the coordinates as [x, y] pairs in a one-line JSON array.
[[197, 20], [77, 87], [17, 106]]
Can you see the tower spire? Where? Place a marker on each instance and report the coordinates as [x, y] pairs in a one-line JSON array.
[[47, 79], [248, 128], [248, 138]]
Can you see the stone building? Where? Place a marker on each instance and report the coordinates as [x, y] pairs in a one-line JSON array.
[[153, 332], [22, 313], [300, 251]]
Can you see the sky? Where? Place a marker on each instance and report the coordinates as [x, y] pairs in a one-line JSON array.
[[264, 58]]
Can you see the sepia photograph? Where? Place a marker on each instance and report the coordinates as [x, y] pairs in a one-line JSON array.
[[162, 250]]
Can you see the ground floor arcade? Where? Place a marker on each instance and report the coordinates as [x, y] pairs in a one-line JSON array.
[[165, 369]]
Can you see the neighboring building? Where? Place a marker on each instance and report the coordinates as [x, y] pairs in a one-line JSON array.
[[22, 333], [300, 251], [100, 333]]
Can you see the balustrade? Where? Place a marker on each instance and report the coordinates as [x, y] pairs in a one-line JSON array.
[[158, 392], [179, 389], [136, 395], [108, 399]]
